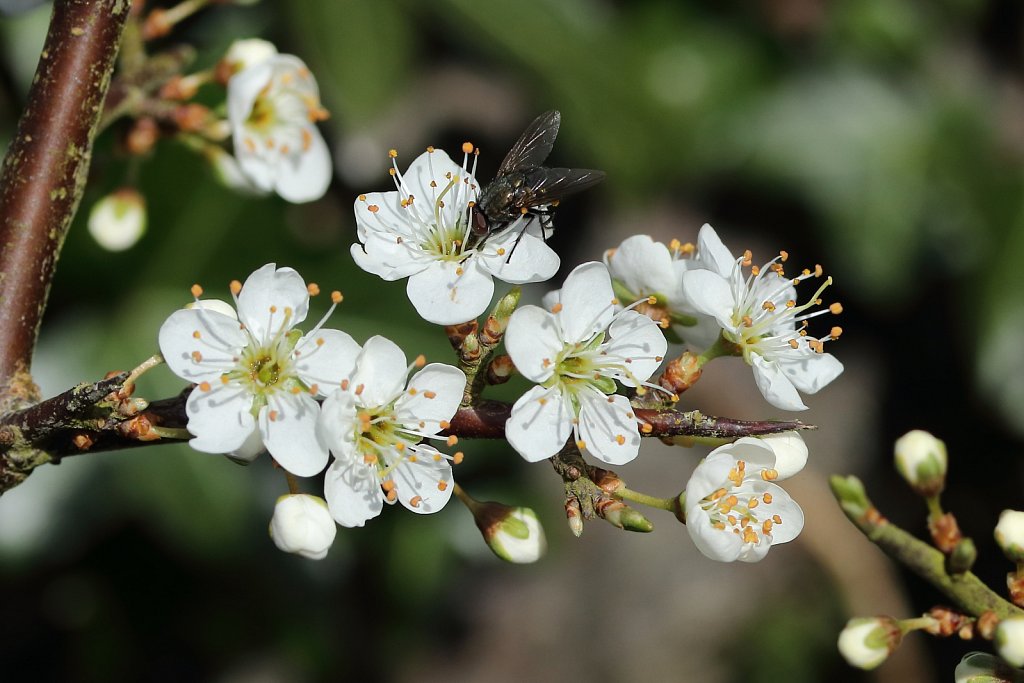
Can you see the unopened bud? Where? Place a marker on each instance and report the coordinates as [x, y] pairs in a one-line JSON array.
[[681, 373], [617, 513], [574, 516], [142, 136], [962, 558], [118, 220], [921, 460], [500, 369], [981, 667], [866, 642], [1009, 534], [1009, 640], [303, 526], [513, 533]]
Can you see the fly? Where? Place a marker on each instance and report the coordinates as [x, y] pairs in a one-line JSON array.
[[523, 187]]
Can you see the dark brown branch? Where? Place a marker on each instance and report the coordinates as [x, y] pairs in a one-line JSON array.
[[46, 165]]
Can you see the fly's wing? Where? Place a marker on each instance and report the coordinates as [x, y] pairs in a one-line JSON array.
[[546, 185], [534, 145]]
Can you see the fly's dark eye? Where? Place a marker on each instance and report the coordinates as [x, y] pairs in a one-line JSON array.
[[480, 225]]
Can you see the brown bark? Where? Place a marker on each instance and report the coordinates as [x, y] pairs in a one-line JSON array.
[[46, 165]]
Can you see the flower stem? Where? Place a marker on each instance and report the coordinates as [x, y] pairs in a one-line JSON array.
[[145, 366], [721, 347], [668, 504], [293, 483], [916, 624]]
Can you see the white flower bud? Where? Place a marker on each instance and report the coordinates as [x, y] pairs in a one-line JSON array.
[[1009, 640], [513, 533], [921, 460], [981, 667], [302, 525], [866, 642], [1009, 534], [245, 53], [118, 220]]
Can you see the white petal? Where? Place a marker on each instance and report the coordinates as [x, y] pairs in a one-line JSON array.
[[353, 493], [586, 302], [382, 213], [532, 259], [258, 171], [645, 267], [326, 357], [338, 425], [266, 296], [783, 506], [716, 544], [638, 338], [434, 394], [540, 424], [708, 476], [305, 175], [756, 453], [220, 418], [609, 428], [711, 294], [438, 167], [243, 89], [533, 341], [421, 486], [250, 450], [812, 372], [775, 385], [381, 370], [220, 340], [385, 257], [447, 293], [713, 254], [790, 452], [289, 428]]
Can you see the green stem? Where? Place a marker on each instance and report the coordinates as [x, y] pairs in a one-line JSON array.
[[965, 589], [721, 347], [916, 624], [668, 504]]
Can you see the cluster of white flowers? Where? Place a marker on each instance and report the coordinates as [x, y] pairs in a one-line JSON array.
[[257, 383], [263, 385]]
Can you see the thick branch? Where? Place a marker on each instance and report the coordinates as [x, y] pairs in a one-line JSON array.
[[45, 168]]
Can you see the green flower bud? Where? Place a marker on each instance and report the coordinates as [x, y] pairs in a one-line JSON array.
[[921, 460], [866, 642]]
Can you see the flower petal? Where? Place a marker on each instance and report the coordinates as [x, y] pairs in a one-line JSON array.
[[289, 428], [220, 419], [645, 267], [785, 507], [325, 358], [305, 175], [713, 254], [384, 256], [379, 376], [532, 260], [540, 424], [219, 340], [609, 427], [266, 297], [638, 339], [533, 341], [338, 425], [812, 372], [790, 452], [714, 543], [353, 493], [711, 294], [422, 486], [433, 396], [448, 293], [586, 300], [775, 385]]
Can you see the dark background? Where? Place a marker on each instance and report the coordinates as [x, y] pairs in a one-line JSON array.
[[884, 140]]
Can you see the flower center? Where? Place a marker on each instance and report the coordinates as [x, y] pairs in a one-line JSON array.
[[738, 508]]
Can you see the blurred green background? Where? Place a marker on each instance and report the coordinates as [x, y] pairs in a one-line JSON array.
[[882, 139]]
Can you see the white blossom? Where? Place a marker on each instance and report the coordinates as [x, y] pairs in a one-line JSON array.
[[423, 231], [273, 107], [759, 314], [1009, 533], [513, 533], [374, 426], [256, 376], [302, 525], [921, 460], [734, 508], [576, 353]]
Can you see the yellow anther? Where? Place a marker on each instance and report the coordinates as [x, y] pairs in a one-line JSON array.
[[197, 291]]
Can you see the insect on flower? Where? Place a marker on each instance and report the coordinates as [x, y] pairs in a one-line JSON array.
[[523, 187]]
